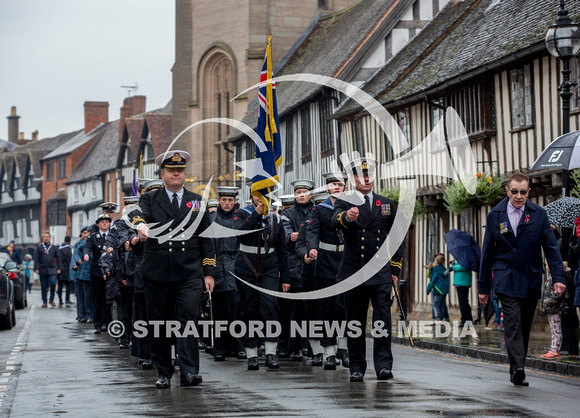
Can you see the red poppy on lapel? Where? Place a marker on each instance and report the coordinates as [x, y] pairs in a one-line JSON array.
[[378, 203], [526, 218], [189, 204]]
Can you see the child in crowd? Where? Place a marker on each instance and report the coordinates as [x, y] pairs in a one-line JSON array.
[[553, 305], [439, 284]]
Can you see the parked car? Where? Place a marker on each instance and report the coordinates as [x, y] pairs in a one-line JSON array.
[[7, 308], [17, 278]]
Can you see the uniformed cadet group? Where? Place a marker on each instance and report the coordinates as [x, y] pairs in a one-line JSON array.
[[158, 263]]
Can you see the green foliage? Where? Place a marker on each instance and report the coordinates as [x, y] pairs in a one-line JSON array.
[[394, 194], [456, 197], [489, 189], [575, 177]]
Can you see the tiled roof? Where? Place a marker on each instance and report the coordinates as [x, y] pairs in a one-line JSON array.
[[466, 36], [101, 157], [331, 42], [160, 130]]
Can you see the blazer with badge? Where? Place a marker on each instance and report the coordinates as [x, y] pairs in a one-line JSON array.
[[175, 260], [516, 261], [364, 237], [96, 245]]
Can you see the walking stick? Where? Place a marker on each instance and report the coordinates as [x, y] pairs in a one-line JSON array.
[[403, 315]]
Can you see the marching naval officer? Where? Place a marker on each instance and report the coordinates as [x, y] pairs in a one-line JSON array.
[[176, 272], [365, 228]]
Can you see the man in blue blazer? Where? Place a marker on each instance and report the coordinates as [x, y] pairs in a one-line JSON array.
[[516, 233]]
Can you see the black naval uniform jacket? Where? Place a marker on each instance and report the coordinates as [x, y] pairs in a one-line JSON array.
[[273, 254], [181, 260], [226, 250], [96, 245], [293, 218], [320, 232], [364, 237]]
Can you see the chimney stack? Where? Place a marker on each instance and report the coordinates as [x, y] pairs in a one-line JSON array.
[[131, 106], [95, 114], [20, 136], [35, 135], [13, 125]]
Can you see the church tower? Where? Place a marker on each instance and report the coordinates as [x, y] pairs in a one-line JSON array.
[[220, 49]]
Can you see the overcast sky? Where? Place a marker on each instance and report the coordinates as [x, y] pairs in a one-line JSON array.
[[57, 54]]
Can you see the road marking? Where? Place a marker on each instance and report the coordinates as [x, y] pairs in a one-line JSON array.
[[18, 345]]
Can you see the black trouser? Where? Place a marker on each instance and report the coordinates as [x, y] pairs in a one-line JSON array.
[[324, 310], [518, 315], [298, 314], [258, 306], [66, 283], [125, 312], [356, 306], [140, 346], [174, 301], [463, 298], [102, 312], [226, 308], [284, 339]]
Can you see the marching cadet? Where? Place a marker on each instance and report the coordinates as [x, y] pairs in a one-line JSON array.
[[96, 245], [177, 270], [152, 185], [262, 260], [225, 297], [325, 245], [293, 217], [365, 228], [108, 208], [287, 201]]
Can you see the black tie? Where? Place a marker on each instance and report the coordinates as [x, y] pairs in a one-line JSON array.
[[175, 202], [367, 203]]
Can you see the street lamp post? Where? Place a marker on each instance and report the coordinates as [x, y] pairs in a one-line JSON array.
[[563, 42]]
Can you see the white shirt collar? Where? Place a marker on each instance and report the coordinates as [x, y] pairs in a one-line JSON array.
[[179, 194]]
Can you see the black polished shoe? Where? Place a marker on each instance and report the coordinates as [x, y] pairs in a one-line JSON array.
[[342, 354], [253, 363], [242, 355], [219, 357], [317, 360], [272, 362], [356, 377], [384, 374], [97, 331], [83, 320], [330, 363], [147, 364], [297, 356], [190, 379], [103, 328], [140, 361], [283, 354], [123, 346], [163, 382], [518, 378]]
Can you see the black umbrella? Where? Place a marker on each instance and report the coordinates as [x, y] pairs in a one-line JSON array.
[[563, 153], [464, 249], [563, 211]]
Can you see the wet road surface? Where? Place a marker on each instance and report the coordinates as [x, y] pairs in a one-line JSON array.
[[50, 365]]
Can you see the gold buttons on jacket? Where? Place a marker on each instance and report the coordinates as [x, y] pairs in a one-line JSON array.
[[379, 231], [170, 243], [182, 242], [170, 229], [183, 249], [170, 250], [362, 247], [364, 230], [362, 238], [362, 256]]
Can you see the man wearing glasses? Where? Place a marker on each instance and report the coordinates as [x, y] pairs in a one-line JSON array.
[[516, 232]]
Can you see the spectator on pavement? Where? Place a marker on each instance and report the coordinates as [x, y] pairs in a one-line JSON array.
[[27, 266], [13, 252], [47, 264], [80, 274], [553, 306], [439, 284], [462, 279]]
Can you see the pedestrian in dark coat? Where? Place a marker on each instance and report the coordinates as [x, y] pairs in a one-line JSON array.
[[176, 269], [47, 264], [516, 232], [63, 278], [365, 228], [13, 252]]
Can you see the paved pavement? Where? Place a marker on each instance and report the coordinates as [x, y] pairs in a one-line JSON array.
[[52, 365]]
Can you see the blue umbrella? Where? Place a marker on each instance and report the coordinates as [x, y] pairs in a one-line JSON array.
[[464, 249]]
